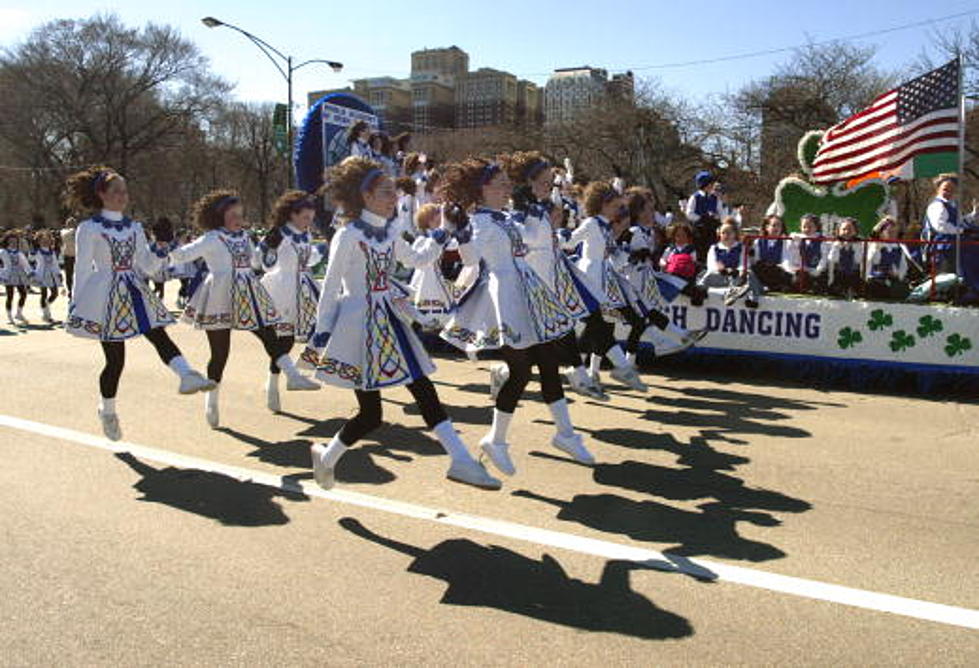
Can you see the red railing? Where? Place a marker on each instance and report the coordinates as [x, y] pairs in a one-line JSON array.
[[748, 240]]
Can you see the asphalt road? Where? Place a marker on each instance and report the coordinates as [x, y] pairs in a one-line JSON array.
[[196, 546]]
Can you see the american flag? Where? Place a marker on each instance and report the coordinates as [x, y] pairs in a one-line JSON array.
[[918, 117]]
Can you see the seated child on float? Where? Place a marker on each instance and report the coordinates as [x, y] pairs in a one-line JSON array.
[[680, 256], [887, 263], [725, 267], [771, 256], [846, 260], [809, 256]]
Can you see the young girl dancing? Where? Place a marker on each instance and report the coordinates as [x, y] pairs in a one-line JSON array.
[[47, 273], [231, 296], [111, 302], [288, 258], [509, 308], [15, 272], [364, 340]]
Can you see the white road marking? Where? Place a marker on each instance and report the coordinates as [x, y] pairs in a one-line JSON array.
[[702, 568]]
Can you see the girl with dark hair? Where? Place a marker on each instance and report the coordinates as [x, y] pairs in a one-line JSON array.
[[509, 308], [111, 302], [162, 231], [603, 203], [230, 296], [364, 340], [47, 272], [288, 258], [357, 139], [15, 272]]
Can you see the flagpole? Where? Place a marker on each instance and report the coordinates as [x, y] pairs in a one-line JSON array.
[[958, 237]]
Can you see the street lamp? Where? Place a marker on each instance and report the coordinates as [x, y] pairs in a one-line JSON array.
[[286, 73]]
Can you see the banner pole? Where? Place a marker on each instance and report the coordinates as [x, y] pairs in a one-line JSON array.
[[958, 237]]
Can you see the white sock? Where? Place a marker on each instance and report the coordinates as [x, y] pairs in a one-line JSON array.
[[285, 363], [617, 357], [580, 375], [272, 383], [631, 358], [596, 364], [107, 406], [501, 424], [334, 451], [562, 420], [179, 365], [451, 442], [211, 398]]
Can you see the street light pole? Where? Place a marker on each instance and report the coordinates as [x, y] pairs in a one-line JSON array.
[[286, 73]]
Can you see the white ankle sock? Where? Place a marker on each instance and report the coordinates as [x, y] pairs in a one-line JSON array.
[[179, 365], [580, 375], [562, 419], [501, 424], [617, 357], [453, 445], [334, 451], [107, 406], [272, 382], [631, 358], [595, 364], [211, 397]]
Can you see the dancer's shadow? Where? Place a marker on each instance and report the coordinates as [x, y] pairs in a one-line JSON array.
[[495, 577], [687, 484], [712, 531], [733, 422], [458, 414], [740, 399], [231, 502]]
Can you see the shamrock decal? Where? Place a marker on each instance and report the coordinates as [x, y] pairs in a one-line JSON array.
[[901, 340], [879, 320], [928, 325], [957, 345], [849, 338]]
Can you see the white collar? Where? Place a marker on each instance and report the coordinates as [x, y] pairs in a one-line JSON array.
[[373, 219], [111, 215]]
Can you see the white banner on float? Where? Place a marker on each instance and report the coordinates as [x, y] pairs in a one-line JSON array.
[[832, 328]]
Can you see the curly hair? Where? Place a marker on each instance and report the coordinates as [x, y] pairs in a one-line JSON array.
[[677, 226], [523, 166], [597, 193], [460, 182], [637, 199], [290, 202], [208, 211], [344, 184], [355, 129], [406, 184], [8, 236], [45, 236], [412, 162], [83, 190]]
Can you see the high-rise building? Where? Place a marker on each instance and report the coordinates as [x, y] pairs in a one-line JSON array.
[[572, 90], [391, 100], [530, 110], [445, 65], [486, 97]]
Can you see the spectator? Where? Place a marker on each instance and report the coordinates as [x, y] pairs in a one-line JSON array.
[[887, 265]]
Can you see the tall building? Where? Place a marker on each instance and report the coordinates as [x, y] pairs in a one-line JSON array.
[[434, 74], [390, 98], [486, 97], [530, 108], [445, 65], [572, 90]]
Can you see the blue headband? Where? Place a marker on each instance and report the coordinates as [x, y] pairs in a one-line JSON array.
[[103, 177], [369, 179], [225, 202], [536, 168], [489, 171], [304, 203], [610, 195]]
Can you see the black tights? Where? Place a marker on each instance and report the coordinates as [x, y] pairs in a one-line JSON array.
[[21, 290], [599, 335], [369, 415], [546, 356], [568, 351], [219, 341], [638, 326], [115, 359], [158, 288], [285, 344], [48, 296]]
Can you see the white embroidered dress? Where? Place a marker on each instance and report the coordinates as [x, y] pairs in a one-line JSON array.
[[600, 262], [14, 268], [47, 271], [111, 300], [230, 296], [289, 280], [364, 338], [509, 305]]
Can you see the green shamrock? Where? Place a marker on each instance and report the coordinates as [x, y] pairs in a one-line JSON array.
[[957, 345], [849, 338], [879, 320], [928, 325], [901, 340]]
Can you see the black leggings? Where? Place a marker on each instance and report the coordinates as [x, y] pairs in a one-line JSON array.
[[69, 272], [158, 288], [638, 326], [546, 356], [284, 344], [115, 359], [48, 295], [22, 290], [220, 342], [568, 351], [369, 415], [599, 335]]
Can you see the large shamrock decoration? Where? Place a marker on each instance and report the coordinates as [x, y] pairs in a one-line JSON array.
[[879, 319], [928, 325], [957, 345], [795, 196], [901, 340], [848, 338]]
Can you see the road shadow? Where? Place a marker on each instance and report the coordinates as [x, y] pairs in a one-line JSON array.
[[710, 532], [724, 399], [498, 578], [736, 422], [213, 495]]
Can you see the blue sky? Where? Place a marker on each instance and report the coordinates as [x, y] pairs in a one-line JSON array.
[[527, 38]]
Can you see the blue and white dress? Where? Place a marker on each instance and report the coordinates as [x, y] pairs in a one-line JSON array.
[[363, 338], [289, 280], [230, 296], [510, 304], [601, 262], [111, 301], [14, 268], [47, 270]]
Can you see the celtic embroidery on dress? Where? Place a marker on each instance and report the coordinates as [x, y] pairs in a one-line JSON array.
[[335, 367], [308, 297], [496, 336]]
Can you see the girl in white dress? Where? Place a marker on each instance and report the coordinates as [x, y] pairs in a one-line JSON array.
[[111, 302], [509, 308], [15, 272], [288, 258], [364, 340], [432, 294], [230, 296], [47, 272]]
